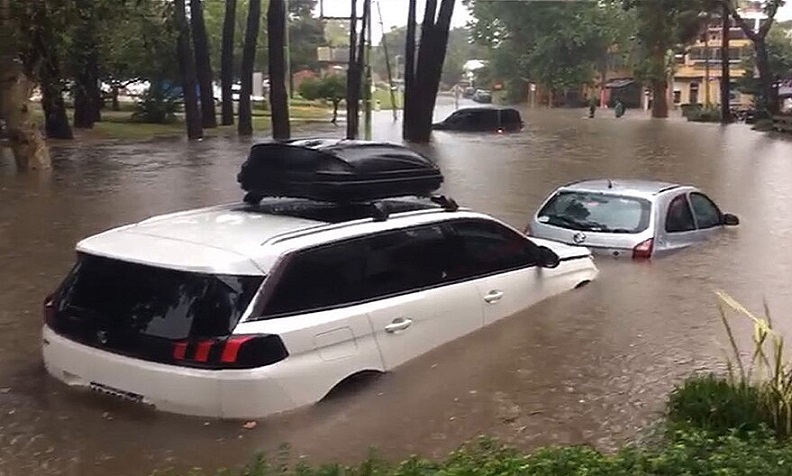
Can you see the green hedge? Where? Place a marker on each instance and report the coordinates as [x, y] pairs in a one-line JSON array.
[[689, 451]]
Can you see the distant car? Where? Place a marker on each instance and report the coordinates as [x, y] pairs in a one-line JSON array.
[[328, 268], [469, 92], [482, 96], [482, 119], [635, 218]]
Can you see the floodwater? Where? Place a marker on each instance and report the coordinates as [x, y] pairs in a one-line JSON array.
[[592, 366]]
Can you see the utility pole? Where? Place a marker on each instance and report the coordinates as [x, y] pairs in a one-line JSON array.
[[367, 93], [287, 53], [707, 61]]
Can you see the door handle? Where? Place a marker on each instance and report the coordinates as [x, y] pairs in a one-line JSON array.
[[493, 297], [398, 324]]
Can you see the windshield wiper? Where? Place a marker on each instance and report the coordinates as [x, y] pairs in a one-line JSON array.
[[570, 222]]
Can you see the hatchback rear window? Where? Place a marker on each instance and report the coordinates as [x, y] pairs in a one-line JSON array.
[[131, 300], [589, 211]]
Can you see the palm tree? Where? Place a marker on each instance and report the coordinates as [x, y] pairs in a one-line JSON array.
[[245, 125], [276, 42], [187, 71], [203, 64], [227, 63]]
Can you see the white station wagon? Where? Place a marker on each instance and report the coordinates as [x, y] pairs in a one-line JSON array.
[[249, 309]]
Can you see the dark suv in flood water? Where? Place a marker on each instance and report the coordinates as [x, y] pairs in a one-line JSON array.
[[482, 119]]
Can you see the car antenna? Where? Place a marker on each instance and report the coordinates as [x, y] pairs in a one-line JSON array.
[[610, 184]]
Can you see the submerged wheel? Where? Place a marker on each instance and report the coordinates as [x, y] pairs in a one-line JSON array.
[[252, 198]]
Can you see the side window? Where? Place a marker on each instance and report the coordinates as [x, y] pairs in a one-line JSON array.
[[679, 218], [406, 260], [707, 214], [489, 247], [319, 278]]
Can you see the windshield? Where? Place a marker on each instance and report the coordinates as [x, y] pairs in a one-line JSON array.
[[135, 299], [590, 211]]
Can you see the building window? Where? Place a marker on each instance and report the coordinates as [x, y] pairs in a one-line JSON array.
[[677, 97]]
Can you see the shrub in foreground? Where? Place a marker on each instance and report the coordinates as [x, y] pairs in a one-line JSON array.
[[688, 451]]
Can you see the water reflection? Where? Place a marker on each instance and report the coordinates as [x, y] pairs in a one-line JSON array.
[[588, 367]]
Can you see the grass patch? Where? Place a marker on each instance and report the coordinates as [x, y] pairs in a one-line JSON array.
[[688, 452]]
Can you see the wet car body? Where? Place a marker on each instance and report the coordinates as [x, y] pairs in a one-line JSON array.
[[482, 119], [644, 218]]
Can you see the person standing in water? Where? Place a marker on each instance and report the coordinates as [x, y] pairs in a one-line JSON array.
[[620, 108], [592, 106]]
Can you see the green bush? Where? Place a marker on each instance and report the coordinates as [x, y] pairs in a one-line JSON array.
[[156, 107], [717, 405], [706, 114], [688, 451]]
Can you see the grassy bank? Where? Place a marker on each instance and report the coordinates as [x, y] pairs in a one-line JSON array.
[[119, 125], [734, 424]]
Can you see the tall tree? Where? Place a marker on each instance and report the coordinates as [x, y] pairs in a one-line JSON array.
[[45, 52], [227, 63], [203, 64], [245, 125], [27, 144], [279, 99], [766, 102], [85, 57], [428, 69], [409, 69], [187, 71]]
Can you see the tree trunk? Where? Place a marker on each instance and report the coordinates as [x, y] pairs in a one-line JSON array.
[[409, 70], [203, 64], [187, 72], [56, 121], [86, 64], [334, 120], [276, 42], [115, 105], [27, 144], [353, 77], [432, 70], [360, 59], [227, 63], [725, 81], [659, 100], [766, 103], [245, 124]]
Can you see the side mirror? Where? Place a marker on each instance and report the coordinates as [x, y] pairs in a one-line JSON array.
[[730, 220], [548, 258]]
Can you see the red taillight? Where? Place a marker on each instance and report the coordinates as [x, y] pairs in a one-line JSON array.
[[236, 352], [644, 249], [49, 310]]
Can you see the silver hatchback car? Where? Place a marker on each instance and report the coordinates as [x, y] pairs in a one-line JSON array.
[[636, 218]]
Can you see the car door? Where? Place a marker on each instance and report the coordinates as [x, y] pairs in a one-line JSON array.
[[416, 304], [501, 263], [679, 225], [709, 218]]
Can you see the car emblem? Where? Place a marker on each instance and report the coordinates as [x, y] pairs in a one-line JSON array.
[[579, 238], [102, 337]]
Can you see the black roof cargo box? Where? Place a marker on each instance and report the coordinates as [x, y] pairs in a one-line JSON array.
[[331, 170]]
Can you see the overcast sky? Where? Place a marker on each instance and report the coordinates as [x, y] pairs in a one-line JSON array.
[[394, 12]]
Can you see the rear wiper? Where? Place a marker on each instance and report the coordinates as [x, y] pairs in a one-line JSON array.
[[567, 221]]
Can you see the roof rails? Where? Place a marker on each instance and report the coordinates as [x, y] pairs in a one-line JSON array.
[[379, 212]]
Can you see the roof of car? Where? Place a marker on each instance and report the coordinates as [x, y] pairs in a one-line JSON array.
[[624, 187], [227, 238]]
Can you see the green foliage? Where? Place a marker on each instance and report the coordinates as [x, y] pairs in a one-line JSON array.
[[779, 52], [214, 15], [559, 45], [331, 87], [717, 405], [156, 107], [703, 114], [687, 451]]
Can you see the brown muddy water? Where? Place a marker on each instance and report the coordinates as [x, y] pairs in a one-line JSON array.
[[592, 366]]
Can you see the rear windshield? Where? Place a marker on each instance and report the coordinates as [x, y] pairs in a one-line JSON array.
[[590, 211], [152, 301]]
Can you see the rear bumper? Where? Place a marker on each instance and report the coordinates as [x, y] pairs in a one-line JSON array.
[[220, 394]]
